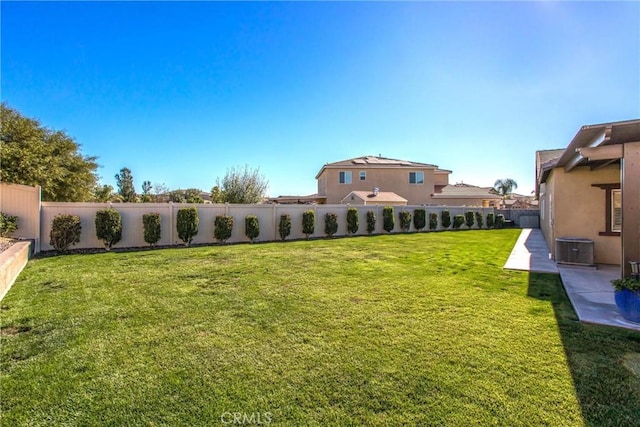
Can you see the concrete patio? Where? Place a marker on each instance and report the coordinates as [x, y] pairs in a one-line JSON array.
[[589, 289]]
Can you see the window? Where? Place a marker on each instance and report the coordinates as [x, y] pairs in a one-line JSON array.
[[345, 177], [416, 177], [363, 175], [616, 210], [612, 210]]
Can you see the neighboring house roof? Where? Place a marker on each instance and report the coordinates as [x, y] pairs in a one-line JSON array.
[[466, 191], [380, 196], [311, 198], [379, 162], [520, 203], [589, 136]]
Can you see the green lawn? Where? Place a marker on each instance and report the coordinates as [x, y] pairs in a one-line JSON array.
[[419, 329]]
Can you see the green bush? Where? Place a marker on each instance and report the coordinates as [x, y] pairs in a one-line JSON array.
[[479, 220], [491, 219], [284, 227], [65, 231], [469, 218], [388, 221], [353, 221], [187, 224], [629, 282], [500, 221], [251, 227], [151, 224], [222, 227], [109, 226], [8, 224], [458, 220], [446, 219], [330, 224], [419, 219], [433, 221], [308, 222], [371, 222], [405, 220]]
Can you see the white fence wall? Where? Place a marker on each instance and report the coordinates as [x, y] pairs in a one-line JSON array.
[[22, 201], [268, 216]]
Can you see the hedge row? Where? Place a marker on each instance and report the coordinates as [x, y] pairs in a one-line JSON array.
[[66, 229]]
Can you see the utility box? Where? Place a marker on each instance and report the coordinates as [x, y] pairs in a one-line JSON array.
[[574, 251]]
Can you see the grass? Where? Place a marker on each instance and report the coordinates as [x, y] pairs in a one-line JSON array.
[[420, 329]]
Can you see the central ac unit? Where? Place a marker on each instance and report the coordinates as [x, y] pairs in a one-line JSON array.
[[574, 251]]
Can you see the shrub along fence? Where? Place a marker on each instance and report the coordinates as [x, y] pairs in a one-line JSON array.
[[268, 219]]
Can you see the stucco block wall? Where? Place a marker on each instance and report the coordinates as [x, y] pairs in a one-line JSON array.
[[394, 180], [571, 207], [12, 261]]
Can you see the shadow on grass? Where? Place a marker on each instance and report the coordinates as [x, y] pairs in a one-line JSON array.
[[604, 361]]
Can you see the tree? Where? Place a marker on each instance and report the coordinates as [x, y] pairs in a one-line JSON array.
[[505, 186], [159, 189], [479, 220], [217, 195], [146, 196], [34, 155], [104, 193], [388, 222], [330, 224], [353, 220], [126, 189], [251, 227], [223, 227], [187, 222], [177, 196], [405, 220], [151, 223], [284, 226], [65, 231], [242, 185], [419, 219], [192, 195], [308, 222], [469, 217], [109, 227], [445, 218], [371, 222]]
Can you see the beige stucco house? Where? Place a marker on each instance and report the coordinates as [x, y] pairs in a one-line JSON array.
[[591, 189], [413, 181]]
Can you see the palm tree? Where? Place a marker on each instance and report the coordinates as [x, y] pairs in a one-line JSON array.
[[504, 187]]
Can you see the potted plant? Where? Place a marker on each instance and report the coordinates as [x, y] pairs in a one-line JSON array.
[[627, 296]]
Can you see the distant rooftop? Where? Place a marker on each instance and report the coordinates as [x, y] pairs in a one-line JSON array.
[[462, 190], [379, 196], [378, 161]]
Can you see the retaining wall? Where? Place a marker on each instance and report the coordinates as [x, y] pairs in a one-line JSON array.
[[12, 261]]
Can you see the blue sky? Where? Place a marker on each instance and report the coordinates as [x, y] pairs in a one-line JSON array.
[[179, 92]]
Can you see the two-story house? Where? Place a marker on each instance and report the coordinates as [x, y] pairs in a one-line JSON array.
[[413, 181]]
